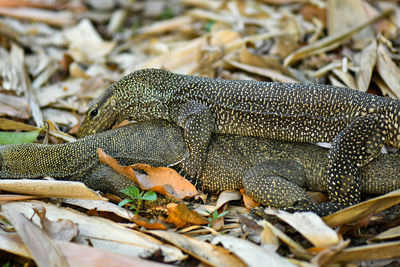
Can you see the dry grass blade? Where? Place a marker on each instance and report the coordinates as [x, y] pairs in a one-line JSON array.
[[363, 209], [43, 249], [205, 252]]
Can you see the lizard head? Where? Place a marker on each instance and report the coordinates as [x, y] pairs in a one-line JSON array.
[[101, 115], [139, 96]]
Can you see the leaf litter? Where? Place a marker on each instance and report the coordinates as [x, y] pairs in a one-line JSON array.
[[58, 56]]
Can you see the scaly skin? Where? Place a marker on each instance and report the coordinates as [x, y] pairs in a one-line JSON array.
[[357, 124], [274, 173]]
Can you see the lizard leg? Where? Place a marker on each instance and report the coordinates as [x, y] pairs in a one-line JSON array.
[[103, 178], [198, 123], [354, 147], [276, 183]]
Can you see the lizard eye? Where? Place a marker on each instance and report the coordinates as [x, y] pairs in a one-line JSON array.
[[94, 113]]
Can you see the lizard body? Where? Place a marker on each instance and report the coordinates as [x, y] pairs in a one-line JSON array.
[[357, 124], [272, 172]]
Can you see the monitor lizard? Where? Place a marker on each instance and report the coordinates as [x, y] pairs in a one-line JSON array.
[[274, 173], [356, 123]]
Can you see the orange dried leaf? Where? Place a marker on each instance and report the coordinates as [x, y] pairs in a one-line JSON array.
[[170, 180], [180, 215], [248, 201], [113, 163], [155, 225], [162, 180]]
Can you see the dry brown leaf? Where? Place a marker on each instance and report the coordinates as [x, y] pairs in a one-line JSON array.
[[388, 250], [18, 56], [272, 74], [388, 234], [103, 233], [343, 14], [43, 249], [248, 201], [310, 11], [77, 255], [86, 44], [14, 106], [250, 253], [311, 226], [122, 123], [272, 63], [8, 197], [62, 229], [388, 70], [331, 42], [363, 209], [268, 237], [180, 215], [226, 196], [346, 78], [203, 251], [365, 60], [163, 26], [100, 205], [57, 18], [295, 247], [327, 254], [46, 188], [151, 225], [8, 125], [184, 58]]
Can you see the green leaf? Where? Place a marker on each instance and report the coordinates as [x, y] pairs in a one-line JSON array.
[[124, 202], [150, 196], [215, 215], [209, 25], [223, 214], [7, 138], [131, 191]]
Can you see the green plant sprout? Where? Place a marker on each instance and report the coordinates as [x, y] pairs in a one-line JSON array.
[[215, 216], [135, 198]]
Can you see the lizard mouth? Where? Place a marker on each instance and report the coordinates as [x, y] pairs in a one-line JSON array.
[[89, 127]]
